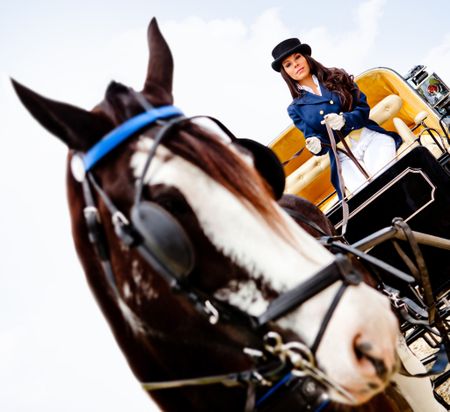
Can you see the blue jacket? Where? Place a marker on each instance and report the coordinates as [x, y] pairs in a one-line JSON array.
[[308, 110]]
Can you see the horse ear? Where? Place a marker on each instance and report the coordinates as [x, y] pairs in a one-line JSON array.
[[77, 128], [158, 84]]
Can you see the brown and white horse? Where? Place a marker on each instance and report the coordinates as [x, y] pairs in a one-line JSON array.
[[247, 252]]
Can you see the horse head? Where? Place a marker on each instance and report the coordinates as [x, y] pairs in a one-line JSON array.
[[217, 226]]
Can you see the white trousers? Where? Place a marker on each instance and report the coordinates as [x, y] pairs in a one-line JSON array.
[[373, 151]]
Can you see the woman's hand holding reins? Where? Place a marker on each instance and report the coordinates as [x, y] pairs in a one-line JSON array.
[[334, 120], [313, 144]]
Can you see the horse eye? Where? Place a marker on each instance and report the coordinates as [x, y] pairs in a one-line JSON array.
[[173, 204]]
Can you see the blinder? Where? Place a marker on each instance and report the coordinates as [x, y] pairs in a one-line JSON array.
[[267, 164], [164, 237]]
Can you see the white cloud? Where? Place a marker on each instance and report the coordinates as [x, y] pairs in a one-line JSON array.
[[223, 68], [438, 59], [347, 47]]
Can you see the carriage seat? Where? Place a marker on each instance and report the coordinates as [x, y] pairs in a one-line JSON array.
[[386, 109], [411, 140], [309, 171]]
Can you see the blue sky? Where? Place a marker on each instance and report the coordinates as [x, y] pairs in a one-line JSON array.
[[56, 352]]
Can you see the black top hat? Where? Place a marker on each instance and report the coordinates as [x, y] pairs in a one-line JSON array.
[[285, 49]]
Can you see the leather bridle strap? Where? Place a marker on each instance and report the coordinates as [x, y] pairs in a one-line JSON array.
[[97, 236], [294, 156], [162, 133], [298, 216], [339, 269], [229, 379], [327, 317]]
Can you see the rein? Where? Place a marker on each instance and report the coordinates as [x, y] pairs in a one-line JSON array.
[[294, 360], [345, 210]]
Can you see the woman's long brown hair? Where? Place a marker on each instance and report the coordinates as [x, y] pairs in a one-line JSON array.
[[334, 79]]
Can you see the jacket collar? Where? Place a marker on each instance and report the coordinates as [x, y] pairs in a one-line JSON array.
[[311, 98], [308, 89]]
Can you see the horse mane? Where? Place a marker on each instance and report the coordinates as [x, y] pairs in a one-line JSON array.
[[223, 163]]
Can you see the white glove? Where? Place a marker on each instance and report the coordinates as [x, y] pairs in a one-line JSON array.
[[313, 144], [334, 120]]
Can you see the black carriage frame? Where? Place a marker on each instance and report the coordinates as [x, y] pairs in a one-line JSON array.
[[415, 189]]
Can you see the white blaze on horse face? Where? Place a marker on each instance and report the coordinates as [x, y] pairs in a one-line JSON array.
[[236, 230]]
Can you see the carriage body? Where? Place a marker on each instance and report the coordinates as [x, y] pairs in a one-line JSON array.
[[414, 186], [416, 189]]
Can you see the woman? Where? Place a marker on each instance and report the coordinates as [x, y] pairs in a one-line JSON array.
[[330, 95]]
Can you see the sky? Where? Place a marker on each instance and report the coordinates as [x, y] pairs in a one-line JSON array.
[[56, 351]]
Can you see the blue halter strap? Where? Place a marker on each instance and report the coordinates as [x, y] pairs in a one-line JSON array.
[[124, 131]]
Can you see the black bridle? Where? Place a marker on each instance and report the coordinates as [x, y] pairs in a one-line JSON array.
[[295, 360]]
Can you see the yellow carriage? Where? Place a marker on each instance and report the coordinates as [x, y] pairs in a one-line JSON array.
[[415, 106]]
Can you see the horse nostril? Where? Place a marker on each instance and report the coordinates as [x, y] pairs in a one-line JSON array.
[[363, 350], [373, 386]]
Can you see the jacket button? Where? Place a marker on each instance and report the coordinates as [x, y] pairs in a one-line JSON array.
[[321, 112], [331, 102]]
